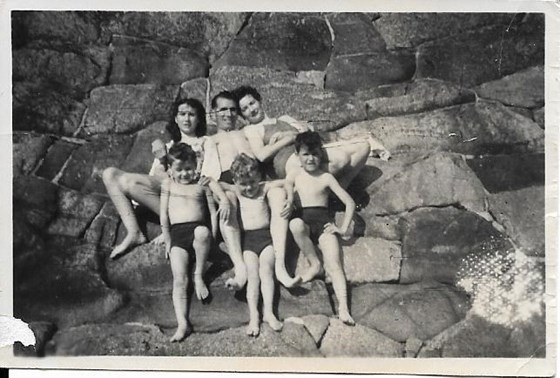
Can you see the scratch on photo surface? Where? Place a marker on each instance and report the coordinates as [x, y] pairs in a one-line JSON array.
[[13, 330]]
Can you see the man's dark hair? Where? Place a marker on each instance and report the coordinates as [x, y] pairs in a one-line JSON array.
[[223, 94], [310, 139]]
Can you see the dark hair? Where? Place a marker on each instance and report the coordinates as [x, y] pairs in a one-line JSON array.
[[244, 166], [310, 139], [246, 90], [181, 152], [223, 94], [172, 127]]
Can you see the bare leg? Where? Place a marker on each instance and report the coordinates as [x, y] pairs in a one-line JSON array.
[[122, 187], [278, 232], [300, 231], [333, 265], [266, 273], [347, 160], [253, 282], [232, 238], [179, 259], [201, 246]]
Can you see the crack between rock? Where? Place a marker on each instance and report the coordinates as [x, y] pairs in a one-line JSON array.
[[41, 160], [58, 176], [82, 123]]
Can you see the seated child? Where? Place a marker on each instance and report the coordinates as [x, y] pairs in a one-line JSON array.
[[256, 241], [315, 225], [182, 217]]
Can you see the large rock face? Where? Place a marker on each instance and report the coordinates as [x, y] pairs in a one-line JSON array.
[[126, 108], [456, 98], [478, 128], [137, 61], [435, 241], [482, 55], [282, 41]]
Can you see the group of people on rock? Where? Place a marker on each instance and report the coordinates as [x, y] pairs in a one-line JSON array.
[[251, 185]]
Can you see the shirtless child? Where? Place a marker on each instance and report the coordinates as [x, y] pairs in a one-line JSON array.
[[182, 217], [315, 225], [258, 252]]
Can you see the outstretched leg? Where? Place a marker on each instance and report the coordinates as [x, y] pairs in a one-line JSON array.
[[253, 282], [179, 259], [232, 238], [123, 187], [279, 232], [300, 231], [201, 246], [346, 160], [333, 265], [266, 273]]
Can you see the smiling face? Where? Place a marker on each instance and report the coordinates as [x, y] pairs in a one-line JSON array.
[[248, 185], [187, 119], [225, 113], [251, 109], [183, 172], [310, 159]]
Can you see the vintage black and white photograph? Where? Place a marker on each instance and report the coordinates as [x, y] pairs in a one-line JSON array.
[[279, 184]]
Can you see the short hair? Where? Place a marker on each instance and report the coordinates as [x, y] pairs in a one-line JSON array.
[[223, 94], [173, 129], [310, 139], [244, 166], [182, 152], [246, 90]]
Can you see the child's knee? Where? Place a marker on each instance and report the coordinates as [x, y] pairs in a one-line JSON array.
[[202, 234], [297, 226], [180, 282]]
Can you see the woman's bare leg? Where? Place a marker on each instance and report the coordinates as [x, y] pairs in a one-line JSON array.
[[179, 259], [232, 237], [266, 273], [123, 187], [279, 232], [347, 160], [330, 247]]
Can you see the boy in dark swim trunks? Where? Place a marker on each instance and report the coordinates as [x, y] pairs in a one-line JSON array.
[[315, 225], [256, 241], [184, 230]]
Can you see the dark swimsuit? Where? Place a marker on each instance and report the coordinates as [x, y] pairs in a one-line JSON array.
[[256, 240], [316, 218], [182, 235]]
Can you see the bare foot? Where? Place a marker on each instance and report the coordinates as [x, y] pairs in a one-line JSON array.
[[253, 328], [182, 332], [130, 241], [345, 317], [312, 272], [284, 278], [200, 288], [273, 322], [240, 279]]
